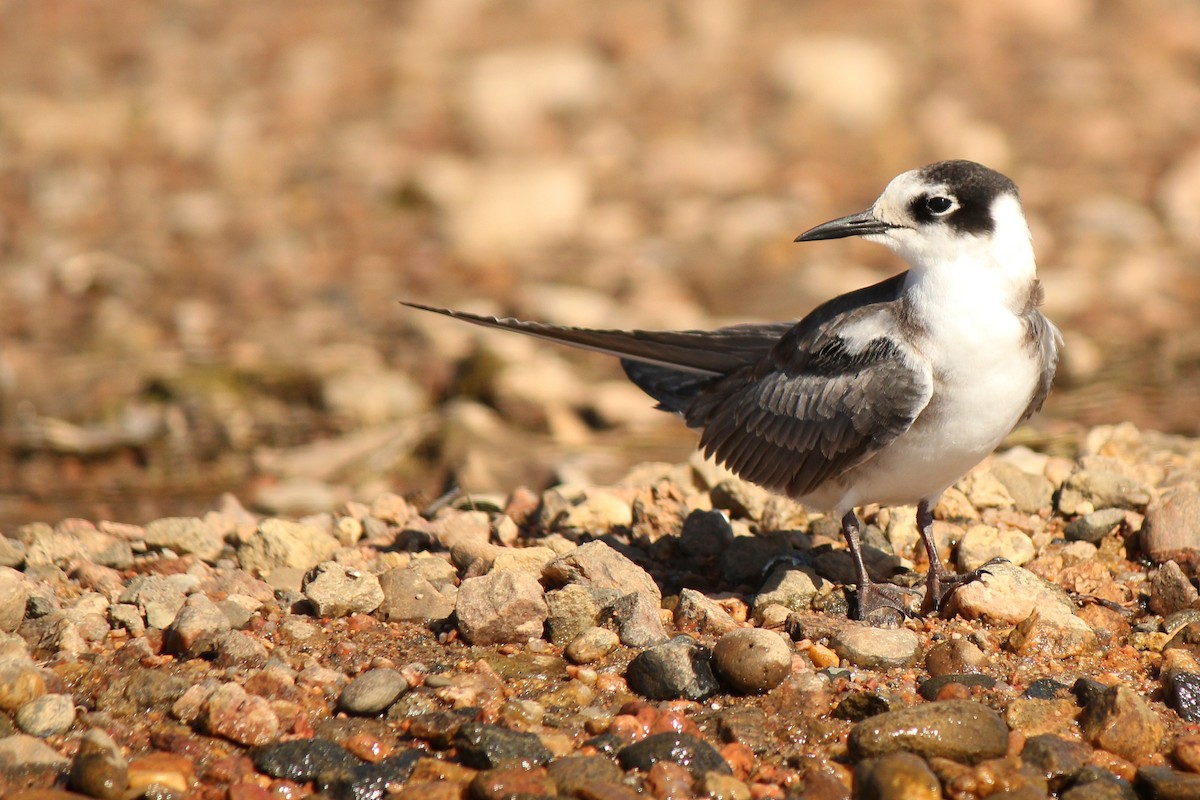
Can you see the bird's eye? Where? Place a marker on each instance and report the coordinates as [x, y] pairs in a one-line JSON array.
[[939, 205]]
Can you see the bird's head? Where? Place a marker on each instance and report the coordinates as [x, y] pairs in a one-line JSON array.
[[944, 214]]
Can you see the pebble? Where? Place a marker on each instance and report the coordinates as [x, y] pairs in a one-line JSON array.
[[960, 730], [877, 648], [1171, 590], [20, 681], [955, 656], [1086, 490], [302, 760], [14, 594], [1057, 759], [184, 536], [485, 746], [47, 715], [409, 596], [1164, 783], [1007, 595], [368, 781], [932, 689], [858, 705], [1118, 720], [1187, 751], [896, 776], [156, 597], [339, 591], [696, 612], [677, 669], [638, 621], [1054, 634], [790, 586], [99, 769], [1169, 531], [595, 564], [1030, 492], [572, 773], [591, 644], [190, 633], [683, 749], [281, 543], [511, 782], [982, 543], [501, 607], [1094, 526], [12, 552], [575, 608], [752, 660], [372, 692], [1181, 691], [240, 717]]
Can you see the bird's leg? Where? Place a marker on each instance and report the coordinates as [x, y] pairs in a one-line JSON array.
[[939, 581], [877, 602]]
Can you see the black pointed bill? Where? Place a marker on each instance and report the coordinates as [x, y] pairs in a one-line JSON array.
[[864, 223]]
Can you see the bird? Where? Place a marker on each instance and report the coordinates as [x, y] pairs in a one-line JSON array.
[[885, 395]]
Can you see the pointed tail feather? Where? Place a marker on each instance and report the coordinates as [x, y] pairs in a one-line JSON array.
[[702, 353]]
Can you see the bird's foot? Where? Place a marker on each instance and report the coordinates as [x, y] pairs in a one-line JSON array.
[[940, 583], [883, 604]]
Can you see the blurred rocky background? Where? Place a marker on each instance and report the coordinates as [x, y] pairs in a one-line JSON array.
[[209, 212]]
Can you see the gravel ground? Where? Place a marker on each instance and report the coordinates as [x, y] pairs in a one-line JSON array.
[[677, 633]]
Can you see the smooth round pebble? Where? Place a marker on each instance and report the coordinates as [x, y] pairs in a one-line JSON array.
[[99, 769], [961, 730], [752, 660], [592, 644], [896, 775], [46, 715], [877, 648], [372, 692]]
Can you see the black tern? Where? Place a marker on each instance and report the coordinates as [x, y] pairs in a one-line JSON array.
[[885, 395]]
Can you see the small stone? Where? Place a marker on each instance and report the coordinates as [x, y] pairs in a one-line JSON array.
[[955, 656], [790, 586], [372, 692], [511, 782], [1037, 716], [683, 749], [696, 612], [501, 607], [1171, 590], [678, 669], [302, 760], [1030, 492], [637, 619], [409, 596], [932, 689], [46, 715], [191, 632], [595, 564], [240, 717], [185, 535], [982, 543], [21, 750], [1169, 531], [1095, 526], [1187, 751], [1052, 635], [1057, 759], [484, 746], [158, 599], [1007, 595], [280, 543], [592, 644], [572, 773], [99, 769], [369, 781], [174, 773], [575, 608], [877, 648], [14, 594], [960, 730], [12, 552], [339, 591], [20, 681], [1121, 722], [1181, 691], [752, 660], [742, 499], [1166, 783], [896, 776], [1087, 490]]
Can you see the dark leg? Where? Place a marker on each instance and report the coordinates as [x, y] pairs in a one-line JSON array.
[[940, 583], [877, 602]]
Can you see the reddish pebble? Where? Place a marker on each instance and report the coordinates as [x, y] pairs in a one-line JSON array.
[[367, 747], [766, 791], [627, 728], [673, 722], [249, 791], [495, 784], [360, 622], [1187, 752], [667, 780], [740, 759], [954, 691]]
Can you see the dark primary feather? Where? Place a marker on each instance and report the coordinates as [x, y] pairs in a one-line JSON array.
[[783, 405]]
